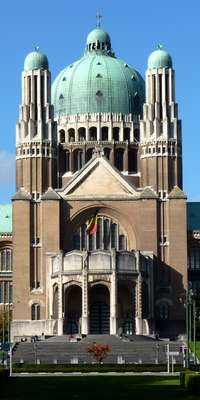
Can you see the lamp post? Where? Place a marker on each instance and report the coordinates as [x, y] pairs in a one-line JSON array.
[[189, 303], [194, 329], [187, 330], [190, 323]]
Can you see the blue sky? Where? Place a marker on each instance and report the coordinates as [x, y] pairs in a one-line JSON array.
[[60, 28]]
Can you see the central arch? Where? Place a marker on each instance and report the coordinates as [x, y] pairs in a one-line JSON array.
[[99, 303]]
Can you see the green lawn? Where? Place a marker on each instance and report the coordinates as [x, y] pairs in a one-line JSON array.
[[197, 348], [93, 388]]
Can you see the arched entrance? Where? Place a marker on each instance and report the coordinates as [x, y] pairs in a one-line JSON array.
[[99, 298], [72, 310]]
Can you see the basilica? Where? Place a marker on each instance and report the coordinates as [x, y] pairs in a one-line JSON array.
[[99, 231]]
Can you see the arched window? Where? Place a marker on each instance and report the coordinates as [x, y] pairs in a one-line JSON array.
[[35, 311], [78, 159], [116, 134], [71, 133], [194, 258], [81, 134], [107, 236], [132, 160], [89, 154], [93, 133], [104, 133], [119, 159], [106, 151], [127, 134], [5, 292], [6, 260], [164, 311], [62, 136]]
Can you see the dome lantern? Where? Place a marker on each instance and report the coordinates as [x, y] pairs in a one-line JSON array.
[[98, 41]]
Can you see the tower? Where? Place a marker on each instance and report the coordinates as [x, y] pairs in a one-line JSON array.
[[36, 129], [160, 129], [36, 171]]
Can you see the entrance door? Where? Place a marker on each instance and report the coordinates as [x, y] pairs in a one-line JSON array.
[[72, 310], [99, 318], [99, 300]]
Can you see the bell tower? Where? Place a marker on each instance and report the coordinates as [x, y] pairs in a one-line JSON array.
[[160, 129], [36, 129]]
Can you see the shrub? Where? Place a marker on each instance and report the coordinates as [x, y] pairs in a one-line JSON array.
[[99, 351], [93, 368], [193, 384], [186, 377]]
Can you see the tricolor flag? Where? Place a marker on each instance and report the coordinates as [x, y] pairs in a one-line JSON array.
[[91, 228]]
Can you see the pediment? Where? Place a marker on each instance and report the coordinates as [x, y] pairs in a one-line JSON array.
[[99, 179]]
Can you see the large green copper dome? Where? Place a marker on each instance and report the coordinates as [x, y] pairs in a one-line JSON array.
[[98, 82]]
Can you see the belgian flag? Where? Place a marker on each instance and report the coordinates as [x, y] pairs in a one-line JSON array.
[[91, 227]]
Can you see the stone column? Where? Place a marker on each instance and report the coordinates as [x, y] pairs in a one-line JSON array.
[[84, 327], [99, 129], [87, 132], [60, 298], [113, 296], [125, 163], [138, 306]]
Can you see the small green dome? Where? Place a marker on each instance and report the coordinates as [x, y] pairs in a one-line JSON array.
[[98, 82], [36, 60], [159, 59]]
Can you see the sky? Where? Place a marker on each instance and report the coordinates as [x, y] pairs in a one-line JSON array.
[[60, 29]]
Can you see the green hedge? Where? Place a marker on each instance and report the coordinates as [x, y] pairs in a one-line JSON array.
[[93, 368], [193, 386], [190, 380]]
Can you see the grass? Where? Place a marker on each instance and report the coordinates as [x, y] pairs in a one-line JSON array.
[[197, 348], [94, 388]]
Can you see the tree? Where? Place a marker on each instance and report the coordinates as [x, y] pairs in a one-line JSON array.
[[99, 351]]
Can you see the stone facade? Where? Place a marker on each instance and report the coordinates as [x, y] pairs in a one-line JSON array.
[[125, 170]]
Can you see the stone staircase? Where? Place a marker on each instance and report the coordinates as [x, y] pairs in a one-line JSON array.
[[61, 350]]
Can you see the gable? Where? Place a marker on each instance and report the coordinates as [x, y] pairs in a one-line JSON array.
[[99, 178]]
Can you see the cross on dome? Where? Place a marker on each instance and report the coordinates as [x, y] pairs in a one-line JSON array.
[[37, 48], [98, 20]]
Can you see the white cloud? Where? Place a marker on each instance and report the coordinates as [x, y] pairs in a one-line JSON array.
[[7, 168]]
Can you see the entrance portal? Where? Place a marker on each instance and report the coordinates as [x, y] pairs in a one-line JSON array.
[[99, 310], [73, 309]]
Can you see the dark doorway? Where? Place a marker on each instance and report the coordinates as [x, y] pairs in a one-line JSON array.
[[99, 310], [73, 310]]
